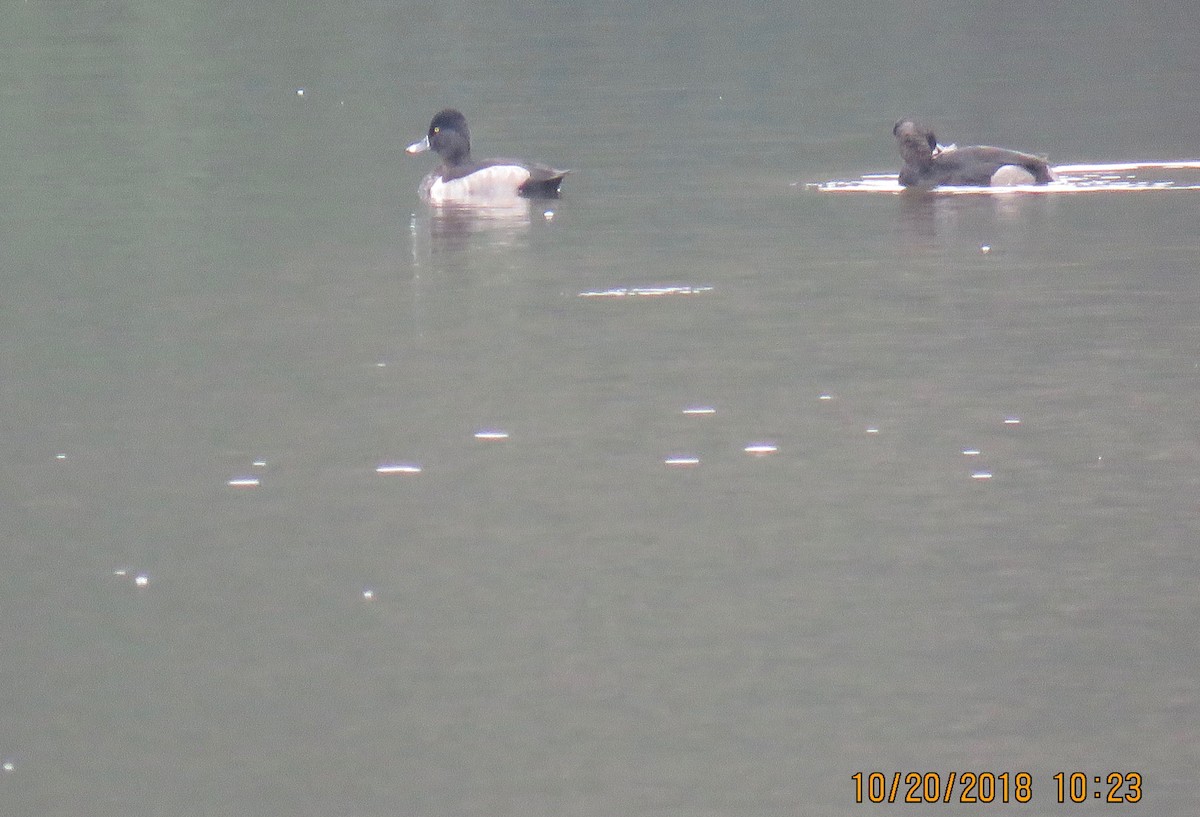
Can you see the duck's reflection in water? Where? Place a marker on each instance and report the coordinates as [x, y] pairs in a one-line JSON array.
[[918, 215], [926, 215], [496, 223]]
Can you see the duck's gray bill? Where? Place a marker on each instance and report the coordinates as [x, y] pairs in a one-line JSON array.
[[418, 147]]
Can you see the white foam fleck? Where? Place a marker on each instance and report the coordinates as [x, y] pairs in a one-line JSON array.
[[398, 468], [652, 291], [981, 475], [761, 449], [142, 580], [244, 482], [1012, 421], [699, 410], [491, 434], [681, 461]]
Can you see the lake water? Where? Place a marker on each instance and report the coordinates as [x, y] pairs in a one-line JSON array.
[[319, 502]]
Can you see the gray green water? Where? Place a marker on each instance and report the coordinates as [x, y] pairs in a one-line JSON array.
[[205, 269]]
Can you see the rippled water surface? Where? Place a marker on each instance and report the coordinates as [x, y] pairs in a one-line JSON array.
[[694, 492]]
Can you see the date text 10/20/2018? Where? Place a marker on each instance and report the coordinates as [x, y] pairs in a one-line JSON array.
[[986, 787]]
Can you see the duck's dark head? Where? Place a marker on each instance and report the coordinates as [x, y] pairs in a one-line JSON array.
[[448, 136], [915, 141]]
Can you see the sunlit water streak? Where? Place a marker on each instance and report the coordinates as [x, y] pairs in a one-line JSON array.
[[646, 291], [1072, 178]]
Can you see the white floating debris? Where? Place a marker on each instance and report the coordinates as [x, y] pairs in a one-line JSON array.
[[981, 475], [60, 456], [259, 463], [120, 571], [381, 364], [398, 468], [548, 215], [872, 429], [970, 452], [142, 580], [825, 397], [630, 292], [8, 766], [299, 92], [368, 594], [1012, 421], [985, 249], [761, 449], [699, 410], [244, 482], [681, 461], [491, 434]]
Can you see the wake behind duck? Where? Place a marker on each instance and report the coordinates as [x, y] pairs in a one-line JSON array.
[[930, 167], [1068, 178]]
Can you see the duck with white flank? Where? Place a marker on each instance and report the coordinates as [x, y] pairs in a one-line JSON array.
[[459, 179], [927, 164]]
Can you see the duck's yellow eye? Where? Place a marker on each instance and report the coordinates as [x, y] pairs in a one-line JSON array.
[[437, 130]]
